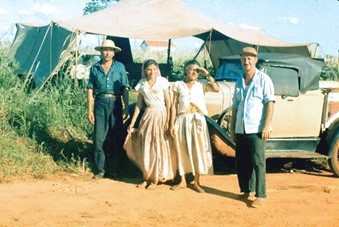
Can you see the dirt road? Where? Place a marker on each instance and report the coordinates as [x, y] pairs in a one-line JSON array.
[[294, 199]]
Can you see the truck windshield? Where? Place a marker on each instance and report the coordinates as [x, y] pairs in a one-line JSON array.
[[229, 71]]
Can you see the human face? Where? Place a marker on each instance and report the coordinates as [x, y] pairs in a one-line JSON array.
[[192, 72], [107, 53], [248, 62], [151, 71]]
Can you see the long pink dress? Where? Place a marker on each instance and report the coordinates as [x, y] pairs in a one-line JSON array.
[[149, 146]]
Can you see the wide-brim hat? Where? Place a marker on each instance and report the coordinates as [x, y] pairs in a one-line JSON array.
[[108, 44], [249, 51]]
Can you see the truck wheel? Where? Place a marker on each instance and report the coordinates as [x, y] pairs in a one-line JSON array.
[[333, 160], [225, 119]]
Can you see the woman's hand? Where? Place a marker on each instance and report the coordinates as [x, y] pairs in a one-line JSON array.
[[129, 128], [203, 71], [166, 126], [125, 113], [172, 131]]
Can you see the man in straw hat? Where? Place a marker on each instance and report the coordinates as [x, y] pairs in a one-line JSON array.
[[251, 125], [106, 89]]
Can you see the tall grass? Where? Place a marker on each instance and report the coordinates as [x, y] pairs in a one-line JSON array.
[[42, 131], [46, 131]]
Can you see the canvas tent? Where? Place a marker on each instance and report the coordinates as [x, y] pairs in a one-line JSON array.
[[142, 19], [38, 49], [168, 19]]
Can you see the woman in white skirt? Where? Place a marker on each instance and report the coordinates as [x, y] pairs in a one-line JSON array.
[[188, 125], [149, 145]]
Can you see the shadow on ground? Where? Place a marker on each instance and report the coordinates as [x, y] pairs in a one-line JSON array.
[[226, 165]]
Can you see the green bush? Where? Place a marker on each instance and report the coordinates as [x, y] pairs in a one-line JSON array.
[[45, 131], [178, 58], [52, 121], [331, 69]]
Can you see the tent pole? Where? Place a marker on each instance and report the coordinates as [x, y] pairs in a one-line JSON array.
[[76, 57], [197, 54], [209, 38], [169, 60], [208, 49], [28, 76], [67, 52]]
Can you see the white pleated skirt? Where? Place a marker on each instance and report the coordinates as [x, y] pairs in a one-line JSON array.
[[192, 143]]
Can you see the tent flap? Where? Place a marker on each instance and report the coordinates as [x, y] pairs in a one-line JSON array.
[[38, 49], [168, 19]]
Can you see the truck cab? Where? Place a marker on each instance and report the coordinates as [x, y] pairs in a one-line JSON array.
[[306, 113]]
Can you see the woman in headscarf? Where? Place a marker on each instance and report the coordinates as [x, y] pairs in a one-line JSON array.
[[149, 146]]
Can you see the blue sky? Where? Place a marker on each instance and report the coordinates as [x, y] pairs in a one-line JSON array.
[[295, 21]]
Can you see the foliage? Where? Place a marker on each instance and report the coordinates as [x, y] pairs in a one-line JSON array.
[[97, 5], [331, 69], [46, 131], [178, 58], [42, 131]]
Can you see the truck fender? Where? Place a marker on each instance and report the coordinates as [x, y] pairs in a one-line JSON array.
[[220, 140], [333, 153], [332, 119]]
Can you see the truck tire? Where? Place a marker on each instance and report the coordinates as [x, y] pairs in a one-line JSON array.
[[333, 160], [224, 120]]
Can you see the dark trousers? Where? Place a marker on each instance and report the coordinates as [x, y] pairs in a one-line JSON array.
[[251, 163], [108, 121]]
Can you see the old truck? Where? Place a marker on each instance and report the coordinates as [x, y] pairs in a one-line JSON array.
[[306, 115]]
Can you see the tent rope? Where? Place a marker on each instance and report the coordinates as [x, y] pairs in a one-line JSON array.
[[258, 43], [209, 40], [8, 31]]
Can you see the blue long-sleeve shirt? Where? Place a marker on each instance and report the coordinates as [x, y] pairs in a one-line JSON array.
[[250, 101]]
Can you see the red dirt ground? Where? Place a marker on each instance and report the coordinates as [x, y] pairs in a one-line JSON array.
[[294, 199]]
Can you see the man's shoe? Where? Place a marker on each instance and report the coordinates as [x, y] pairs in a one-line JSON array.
[[98, 176], [246, 195], [258, 203]]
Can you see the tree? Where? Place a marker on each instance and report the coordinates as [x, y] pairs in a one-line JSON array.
[[97, 5]]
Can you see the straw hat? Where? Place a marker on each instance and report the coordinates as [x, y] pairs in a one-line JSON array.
[[108, 44], [249, 51]]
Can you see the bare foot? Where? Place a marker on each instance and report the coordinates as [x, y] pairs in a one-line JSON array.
[[198, 189], [142, 185], [178, 187], [151, 186]]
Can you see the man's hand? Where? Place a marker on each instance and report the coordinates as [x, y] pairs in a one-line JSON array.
[[90, 116], [265, 133]]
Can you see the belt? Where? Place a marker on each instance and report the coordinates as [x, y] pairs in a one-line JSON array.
[[108, 96], [192, 108]]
